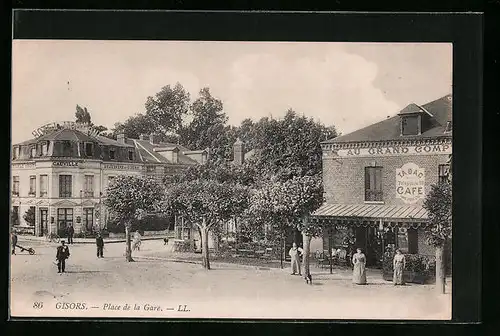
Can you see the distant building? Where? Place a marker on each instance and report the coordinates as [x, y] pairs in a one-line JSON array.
[[63, 172], [376, 179]]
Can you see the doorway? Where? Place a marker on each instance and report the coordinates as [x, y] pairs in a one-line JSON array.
[[88, 219], [44, 229], [64, 219]]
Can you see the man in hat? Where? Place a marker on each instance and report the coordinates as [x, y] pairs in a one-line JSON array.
[[71, 232], [61, 256], [100, 245]]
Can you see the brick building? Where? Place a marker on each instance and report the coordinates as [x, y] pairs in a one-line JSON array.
[[376, 179], [63, 172]]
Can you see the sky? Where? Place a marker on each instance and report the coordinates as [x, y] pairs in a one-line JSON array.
[[349, 85]]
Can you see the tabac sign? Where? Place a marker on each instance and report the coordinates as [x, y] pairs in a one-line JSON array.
[[410, 181]]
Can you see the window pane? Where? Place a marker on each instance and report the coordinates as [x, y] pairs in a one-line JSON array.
[[410, 125], [402, 240]]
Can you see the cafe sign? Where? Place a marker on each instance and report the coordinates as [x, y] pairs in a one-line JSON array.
[[410, 181], [395, 150], [66, 163]]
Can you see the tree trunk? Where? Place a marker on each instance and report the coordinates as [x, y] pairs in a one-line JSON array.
[[128, 245], [204, 246], [307, 249], [440, 270]]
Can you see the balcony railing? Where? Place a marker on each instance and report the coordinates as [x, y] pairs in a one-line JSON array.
[[373, 195]]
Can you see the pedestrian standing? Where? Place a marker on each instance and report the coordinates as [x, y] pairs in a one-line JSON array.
[[359, 271], [399, 264], [71, 232], [100, 245], [61, 256], [14, 242], [295, 253]]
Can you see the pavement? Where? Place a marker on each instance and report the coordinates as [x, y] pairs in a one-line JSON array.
[[161, 284], [29, 238]]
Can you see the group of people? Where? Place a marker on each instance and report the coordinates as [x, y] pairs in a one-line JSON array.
[[359, 265]]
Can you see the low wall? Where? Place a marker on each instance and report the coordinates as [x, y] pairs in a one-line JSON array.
[[166, 233], [24, 230]]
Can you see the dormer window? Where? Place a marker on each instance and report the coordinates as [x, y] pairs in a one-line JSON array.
[[45, 148], [89, 149], [131, 155], [33, 151], [410, 125], [15, 153], [112, 154], [449, 127]]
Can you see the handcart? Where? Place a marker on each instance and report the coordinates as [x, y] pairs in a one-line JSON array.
[[29, 249]]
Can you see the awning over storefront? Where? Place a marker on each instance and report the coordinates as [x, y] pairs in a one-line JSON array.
[[372, 212]]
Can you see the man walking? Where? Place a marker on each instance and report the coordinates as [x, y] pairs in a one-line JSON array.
[[100, 245], [14, 242], [71, 232], [61, 256]]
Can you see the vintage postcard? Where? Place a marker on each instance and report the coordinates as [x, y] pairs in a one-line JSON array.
[[269, 180]]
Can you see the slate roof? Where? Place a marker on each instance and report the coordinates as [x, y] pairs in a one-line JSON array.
[[439, 112], [148, 155]]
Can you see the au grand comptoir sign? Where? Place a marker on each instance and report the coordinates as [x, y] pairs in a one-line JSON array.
[[410, 183], [396, 150]]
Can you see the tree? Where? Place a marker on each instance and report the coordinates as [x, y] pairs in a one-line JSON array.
[[168, 108], [29, 216], [438, 205], [135, 125], [82, 115], [288, 203], [208, 128], [207, 203], [130, 198]]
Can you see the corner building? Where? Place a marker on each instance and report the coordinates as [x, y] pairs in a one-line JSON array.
[[376, 180], [62, 174]]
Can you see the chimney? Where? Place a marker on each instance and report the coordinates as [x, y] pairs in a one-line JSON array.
[[143, 137], [121, 138], [238, 152], [154, 139]]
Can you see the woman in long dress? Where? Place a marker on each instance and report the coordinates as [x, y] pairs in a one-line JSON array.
[[359, 271], [295, 253], [399, 264], [136, 245]]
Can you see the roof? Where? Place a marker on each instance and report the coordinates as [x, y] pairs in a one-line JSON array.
[[148, 154], [378, 211], [439, 111], [67, 134]]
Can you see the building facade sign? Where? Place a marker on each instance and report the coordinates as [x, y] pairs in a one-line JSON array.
[[66, 163], [122, 167], [23, 165], [396, 150], [410, 183]]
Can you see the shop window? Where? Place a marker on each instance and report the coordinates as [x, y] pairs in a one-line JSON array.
[[111, 154], [15, 185], [89, 149], [65, 185], [410, 125], [43, 185], [15, 215], [32, 185], [373, 184], [443, 172]]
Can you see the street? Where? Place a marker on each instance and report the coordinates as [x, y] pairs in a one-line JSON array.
[[154, 287]]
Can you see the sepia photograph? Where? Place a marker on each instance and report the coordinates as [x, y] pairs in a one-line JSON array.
[[231, 179]]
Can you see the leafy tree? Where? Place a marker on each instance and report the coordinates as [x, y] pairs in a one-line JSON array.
[[207, 203], [288, 204], [130, 198], [168, 108], [29, 216], [438, 205], [208, 128], [82, 115], [135, 125]]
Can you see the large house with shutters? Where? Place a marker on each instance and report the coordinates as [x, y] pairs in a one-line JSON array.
[[376, 179], [62, 174]]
